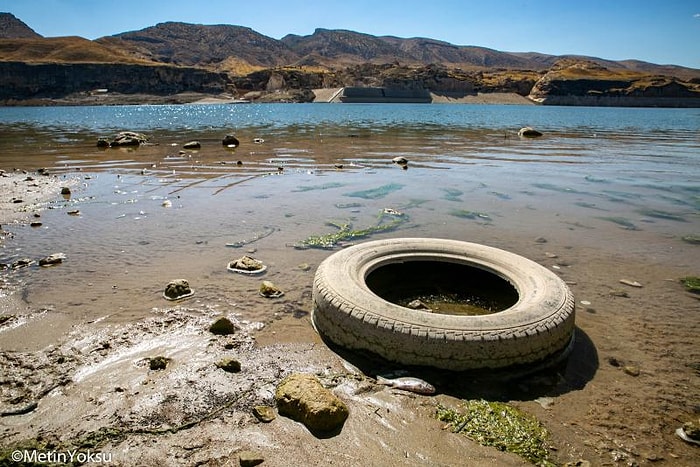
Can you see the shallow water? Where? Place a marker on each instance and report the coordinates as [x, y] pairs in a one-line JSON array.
[[625, 181]]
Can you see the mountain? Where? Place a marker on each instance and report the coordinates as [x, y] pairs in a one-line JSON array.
[[13, 28], [63, 50], [206, 46], [239, 60]]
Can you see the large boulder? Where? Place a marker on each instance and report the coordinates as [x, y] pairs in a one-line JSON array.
[[301, 397]]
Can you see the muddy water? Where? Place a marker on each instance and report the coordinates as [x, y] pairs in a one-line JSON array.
[[158, 212]]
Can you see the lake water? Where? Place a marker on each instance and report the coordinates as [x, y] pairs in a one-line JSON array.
[[624, 181]]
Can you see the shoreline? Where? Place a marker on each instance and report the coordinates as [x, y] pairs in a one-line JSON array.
[[321, 96], [628, 385]]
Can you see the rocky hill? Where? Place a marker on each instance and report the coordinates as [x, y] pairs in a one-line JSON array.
[[13, 28], [178, 57]]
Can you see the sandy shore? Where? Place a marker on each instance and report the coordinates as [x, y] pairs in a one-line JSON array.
[[630, 382]]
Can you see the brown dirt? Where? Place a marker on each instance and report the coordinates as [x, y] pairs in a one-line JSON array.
[[631, 380]]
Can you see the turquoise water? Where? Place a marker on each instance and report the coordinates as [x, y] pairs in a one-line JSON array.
[[622, 181]]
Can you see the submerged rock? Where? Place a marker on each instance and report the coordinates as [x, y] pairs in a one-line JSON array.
[[529, 132], [177, 289], [230, 141], [192, 145], [125, 138], [53, 259], [270, 290], [247, 265], [301, 397]]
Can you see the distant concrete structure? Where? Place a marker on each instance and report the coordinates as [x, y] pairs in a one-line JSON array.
[[384, 95]]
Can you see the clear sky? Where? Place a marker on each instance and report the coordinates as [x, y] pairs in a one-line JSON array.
[[662, 32]]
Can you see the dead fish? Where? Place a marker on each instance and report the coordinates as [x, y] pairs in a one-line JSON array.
[[407, 383]]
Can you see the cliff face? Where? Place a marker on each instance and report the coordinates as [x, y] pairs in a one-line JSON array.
[[26, 81], [579, 82]]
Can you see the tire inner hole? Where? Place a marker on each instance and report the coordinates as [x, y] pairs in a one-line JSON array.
[[442, 287]]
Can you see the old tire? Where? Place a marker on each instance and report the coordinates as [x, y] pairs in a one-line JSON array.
[[539, 326]]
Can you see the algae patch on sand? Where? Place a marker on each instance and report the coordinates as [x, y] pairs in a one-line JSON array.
[[502, 426], [388, 219]]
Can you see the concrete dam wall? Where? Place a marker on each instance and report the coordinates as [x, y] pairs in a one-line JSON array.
[[384, 96]]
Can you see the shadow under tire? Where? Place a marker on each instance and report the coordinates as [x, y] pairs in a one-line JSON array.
[[539, 326]]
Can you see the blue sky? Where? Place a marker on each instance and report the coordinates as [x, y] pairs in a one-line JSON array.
[[663, 32]]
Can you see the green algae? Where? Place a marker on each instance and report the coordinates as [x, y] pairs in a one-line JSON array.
[[691, 284], [388, 219], [376, 193], [452, 194], [325, 186], [692, 239], [465, 214], [621, 221], [659, 214], [502, 426]]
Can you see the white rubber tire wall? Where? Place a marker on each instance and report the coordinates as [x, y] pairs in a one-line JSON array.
[[347, 313]]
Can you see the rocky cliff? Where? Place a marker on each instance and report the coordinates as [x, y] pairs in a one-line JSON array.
[[582, 82], [31, 81]]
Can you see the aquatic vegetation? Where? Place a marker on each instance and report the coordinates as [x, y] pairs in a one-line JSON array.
[[552, 187], [376, 193], [325, 186], [661, 214], [692, 239], [502, 426], [465, 214], [500, 195], [348, 205], [583, 204], [691, 283], [591, 178], [388, 219], [452, 194], [621, 221]]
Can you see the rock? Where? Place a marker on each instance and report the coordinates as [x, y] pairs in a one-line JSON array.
[[222, 327], [128, 138], [229, 365], [692, 429], [230, 141], [264, 413], [250, 458], [178, 288], [192, 145], [302, 398], [53, 259], [247, 265], [158, 363], [270, 290], [418, 305], [22, 263], [529, 132], [631, 370], [400, 160], [631, 283], [102, 143]]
